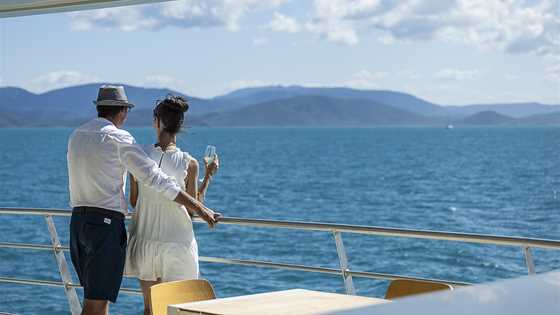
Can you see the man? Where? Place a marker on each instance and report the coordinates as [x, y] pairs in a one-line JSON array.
[[99, 156]]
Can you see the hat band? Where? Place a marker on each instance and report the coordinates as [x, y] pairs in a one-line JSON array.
[[113, 103]]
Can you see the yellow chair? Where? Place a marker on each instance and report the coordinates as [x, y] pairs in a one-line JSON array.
[[175, 292], [400, 288]]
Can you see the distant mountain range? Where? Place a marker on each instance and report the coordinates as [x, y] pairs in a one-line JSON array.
[[312, 110], [407, 102], [486, 118], [515, 110], [270, 106]]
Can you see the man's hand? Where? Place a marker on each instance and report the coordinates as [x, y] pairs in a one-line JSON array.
[[197, 207], [209, 216]]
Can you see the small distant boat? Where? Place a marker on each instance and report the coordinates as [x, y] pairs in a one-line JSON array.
[[450, 126]]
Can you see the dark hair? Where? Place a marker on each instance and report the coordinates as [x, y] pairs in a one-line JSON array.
[[171, 113], [109, 111]]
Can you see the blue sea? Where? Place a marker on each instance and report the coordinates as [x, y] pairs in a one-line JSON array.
[[500, 181]]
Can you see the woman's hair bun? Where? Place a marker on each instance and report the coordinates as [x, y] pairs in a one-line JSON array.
[[177, 103], [171, 112]]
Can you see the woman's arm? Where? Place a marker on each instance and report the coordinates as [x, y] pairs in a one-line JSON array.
[[210, 170], [133, 191], [191, 181]]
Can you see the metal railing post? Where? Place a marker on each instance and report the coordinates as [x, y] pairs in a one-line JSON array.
[[529, 260], [69, 289], [346, 276]]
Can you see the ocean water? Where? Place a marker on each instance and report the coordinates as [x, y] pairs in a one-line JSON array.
[[481, 180]]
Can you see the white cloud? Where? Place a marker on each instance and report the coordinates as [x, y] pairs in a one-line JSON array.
[[162, 81], [123, 18], [282, 23], [241, 84], [514, 26], [165, 81], [59, 79], [260, 41], [366, 80], [337, 9], [183, 13], [387, 39], [457, 74], [339, 32]]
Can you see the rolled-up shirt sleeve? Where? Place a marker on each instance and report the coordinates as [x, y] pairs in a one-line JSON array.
[[144, 169]]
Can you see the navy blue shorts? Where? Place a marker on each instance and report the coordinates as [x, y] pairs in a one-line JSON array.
[[98, 251]]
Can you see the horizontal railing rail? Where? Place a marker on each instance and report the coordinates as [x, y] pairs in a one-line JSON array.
[[332, 271], [52, 283], [260, 263], [525, 243], [346, 228]]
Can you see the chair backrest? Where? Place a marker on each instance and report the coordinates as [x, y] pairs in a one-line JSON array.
[[184, 291], [400, 288]]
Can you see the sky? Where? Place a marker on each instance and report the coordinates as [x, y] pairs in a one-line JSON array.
[[451, 52]]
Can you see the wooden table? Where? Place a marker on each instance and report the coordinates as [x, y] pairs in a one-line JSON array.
[[289, 302]]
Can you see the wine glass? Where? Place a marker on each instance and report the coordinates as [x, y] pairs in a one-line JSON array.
[[210, 154]]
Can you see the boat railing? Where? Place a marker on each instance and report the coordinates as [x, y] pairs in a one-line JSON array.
[[525, 244]]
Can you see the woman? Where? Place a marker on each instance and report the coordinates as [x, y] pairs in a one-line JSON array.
[[162, 246]]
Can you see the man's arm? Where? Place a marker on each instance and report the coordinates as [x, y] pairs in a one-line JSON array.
[[203, 212], [146, 171]]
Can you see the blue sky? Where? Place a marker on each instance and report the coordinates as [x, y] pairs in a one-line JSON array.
[[449, 52]]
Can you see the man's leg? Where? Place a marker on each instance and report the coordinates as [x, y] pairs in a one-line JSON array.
[[95, 307], [80, 259], [75, 250], [104, 246]]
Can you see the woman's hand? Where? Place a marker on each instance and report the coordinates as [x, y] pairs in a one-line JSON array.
[[212, 168]]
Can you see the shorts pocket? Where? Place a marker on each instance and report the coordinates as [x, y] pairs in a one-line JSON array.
[[95, 236]]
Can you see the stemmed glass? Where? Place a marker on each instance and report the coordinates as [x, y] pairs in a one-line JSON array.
[[209, 154]]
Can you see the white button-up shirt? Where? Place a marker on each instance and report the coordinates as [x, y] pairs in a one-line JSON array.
[[99, 156]]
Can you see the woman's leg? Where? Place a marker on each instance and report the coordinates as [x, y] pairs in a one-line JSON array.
[[145, 286]]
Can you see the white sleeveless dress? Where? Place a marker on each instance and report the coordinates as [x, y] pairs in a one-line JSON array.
[[161, 241]]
